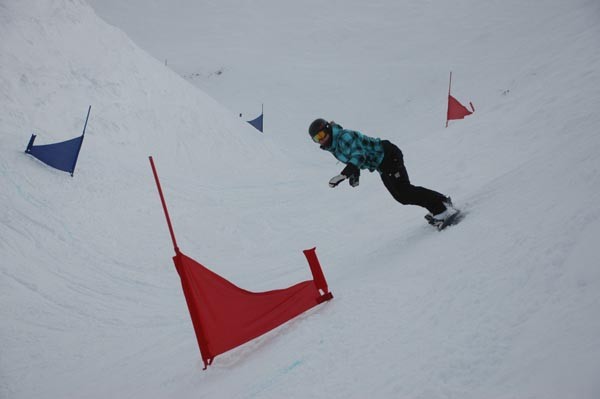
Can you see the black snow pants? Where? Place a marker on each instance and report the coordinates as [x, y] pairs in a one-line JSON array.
[[395, 178]]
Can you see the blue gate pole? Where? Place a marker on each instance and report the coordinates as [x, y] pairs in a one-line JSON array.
[[81, 143]]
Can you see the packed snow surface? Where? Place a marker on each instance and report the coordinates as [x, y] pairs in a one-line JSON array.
[[504, 305]]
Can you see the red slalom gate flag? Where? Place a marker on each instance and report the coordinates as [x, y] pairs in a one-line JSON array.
[[455, 109], [225, 316]]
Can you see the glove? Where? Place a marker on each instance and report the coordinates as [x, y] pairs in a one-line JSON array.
[[353, 174], [335, 180]]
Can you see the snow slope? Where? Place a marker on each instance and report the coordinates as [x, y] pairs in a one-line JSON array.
[[505, 305]]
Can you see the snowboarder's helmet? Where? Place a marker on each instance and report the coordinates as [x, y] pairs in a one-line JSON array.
[[319, 125]]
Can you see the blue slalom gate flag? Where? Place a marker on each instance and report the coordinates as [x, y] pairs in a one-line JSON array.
[[258, 122], [63, 155]]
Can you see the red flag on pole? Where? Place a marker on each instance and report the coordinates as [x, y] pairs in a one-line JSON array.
[[455, 109], [225, 316]]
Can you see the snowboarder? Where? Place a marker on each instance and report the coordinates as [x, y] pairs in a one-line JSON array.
[[359, 151]]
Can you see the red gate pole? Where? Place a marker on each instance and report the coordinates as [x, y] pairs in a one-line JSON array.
[[164, 205], [318, 276], [449, 86]]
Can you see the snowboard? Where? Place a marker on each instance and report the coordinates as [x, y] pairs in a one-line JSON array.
[[451, 221]]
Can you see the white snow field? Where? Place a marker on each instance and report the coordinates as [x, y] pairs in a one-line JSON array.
[[504, 305]]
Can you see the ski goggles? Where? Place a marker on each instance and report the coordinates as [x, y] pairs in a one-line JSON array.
[[319, 136]]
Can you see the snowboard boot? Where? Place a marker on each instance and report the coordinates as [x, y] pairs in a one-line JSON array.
[[445, 218]]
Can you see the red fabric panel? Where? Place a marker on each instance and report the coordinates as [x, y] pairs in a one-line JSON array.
[[225, 316], [456, 110]]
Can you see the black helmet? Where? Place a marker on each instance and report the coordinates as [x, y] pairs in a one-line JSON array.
[[318, 125]]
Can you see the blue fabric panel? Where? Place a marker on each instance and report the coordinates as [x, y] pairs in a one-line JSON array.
[[61, 155], [257, 123]]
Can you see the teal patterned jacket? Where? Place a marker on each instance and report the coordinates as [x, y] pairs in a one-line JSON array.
[[352, 147]]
